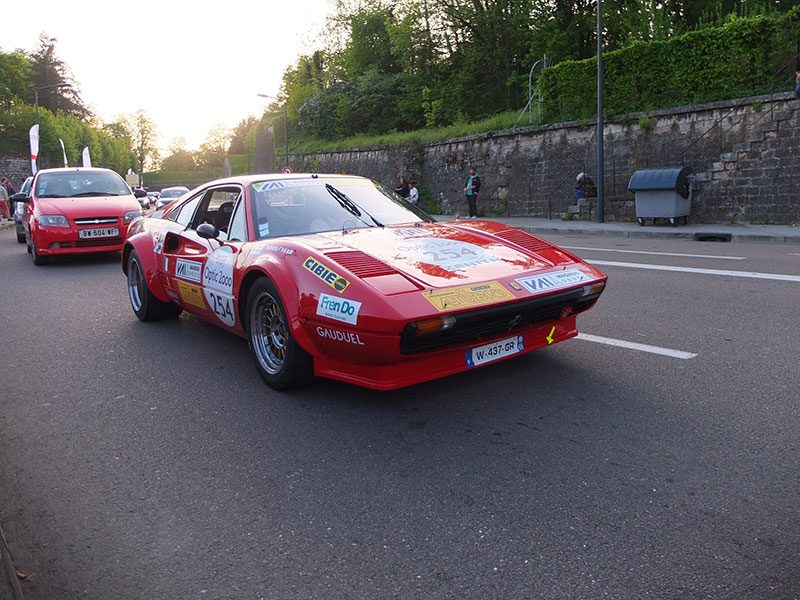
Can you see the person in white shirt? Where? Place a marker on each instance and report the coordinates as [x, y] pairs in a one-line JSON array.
[[413, 194]]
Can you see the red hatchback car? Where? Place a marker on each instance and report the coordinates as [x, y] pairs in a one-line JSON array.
[[76, 211]]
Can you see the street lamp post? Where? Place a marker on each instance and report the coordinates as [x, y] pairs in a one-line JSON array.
[[285, 126]]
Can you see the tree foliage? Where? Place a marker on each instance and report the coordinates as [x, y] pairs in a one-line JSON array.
[[407, 64]]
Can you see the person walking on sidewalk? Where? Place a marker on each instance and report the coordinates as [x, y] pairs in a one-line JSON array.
[[471, 189], [5, 205]]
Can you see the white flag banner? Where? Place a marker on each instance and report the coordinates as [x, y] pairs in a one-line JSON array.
[[87, 160], [34, 135], [64, 151]]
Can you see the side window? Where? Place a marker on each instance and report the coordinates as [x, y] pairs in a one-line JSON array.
[[183, 215], [218, 207], [238, 229]]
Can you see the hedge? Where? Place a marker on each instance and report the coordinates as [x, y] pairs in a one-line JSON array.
[[746, 56]]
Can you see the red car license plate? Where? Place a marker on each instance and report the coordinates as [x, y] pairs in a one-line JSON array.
[[98, 233]]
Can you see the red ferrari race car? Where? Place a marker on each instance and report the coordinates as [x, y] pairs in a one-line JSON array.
[[76, 211], [335, 276]]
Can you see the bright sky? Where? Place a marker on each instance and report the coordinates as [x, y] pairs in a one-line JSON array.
[[192, 66]]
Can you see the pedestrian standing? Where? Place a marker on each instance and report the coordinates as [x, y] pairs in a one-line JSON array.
[[413, 193], [471, 189], [5, 207], [5, 182]]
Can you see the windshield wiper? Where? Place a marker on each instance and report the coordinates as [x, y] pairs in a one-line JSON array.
[[85, 194], [349, 205]]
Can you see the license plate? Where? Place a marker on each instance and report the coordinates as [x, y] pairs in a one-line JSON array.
[[98, 233], [494, 351]]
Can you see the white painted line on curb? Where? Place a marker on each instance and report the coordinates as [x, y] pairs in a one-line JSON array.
[[747, 274], [635, 346], [656, 253]]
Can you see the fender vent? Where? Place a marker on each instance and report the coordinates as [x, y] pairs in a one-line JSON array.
[[361, 264], [531, 243]]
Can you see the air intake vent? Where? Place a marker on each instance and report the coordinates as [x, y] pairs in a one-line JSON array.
[[531, 243], [361, 264]]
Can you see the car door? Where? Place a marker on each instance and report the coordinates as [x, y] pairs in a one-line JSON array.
[[201, 270]]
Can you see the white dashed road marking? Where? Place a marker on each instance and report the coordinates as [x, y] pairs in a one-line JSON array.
[[656, 253], [747, 274], [636, 346]]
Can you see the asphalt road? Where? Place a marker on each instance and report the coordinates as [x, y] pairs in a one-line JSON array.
[[149, 460]]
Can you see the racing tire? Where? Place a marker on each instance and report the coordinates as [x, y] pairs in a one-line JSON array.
[[280, 361], [38, 259], [144, 303]]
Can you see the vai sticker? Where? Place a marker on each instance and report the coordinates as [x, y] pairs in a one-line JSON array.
[[339, 309], [189, 270], [329, 276], [450, 255], [218, 273], [191, 295], [552, 281], [468, 295]]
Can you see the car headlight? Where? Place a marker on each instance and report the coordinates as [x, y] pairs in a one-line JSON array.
[[130, 216], [53, 221]]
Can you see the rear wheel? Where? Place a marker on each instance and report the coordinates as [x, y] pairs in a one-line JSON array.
[[145, 305], [21, 237], [279, 360]]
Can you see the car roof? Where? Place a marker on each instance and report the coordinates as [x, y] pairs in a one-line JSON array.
[[75, 169]]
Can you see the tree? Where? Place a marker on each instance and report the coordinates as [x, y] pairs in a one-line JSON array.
[[141, 132], [240, 133], [48, 72], [179, 158], [212, 151], [16, 69]]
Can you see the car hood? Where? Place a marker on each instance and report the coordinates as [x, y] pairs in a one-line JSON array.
[[95, 206], [439, 255]]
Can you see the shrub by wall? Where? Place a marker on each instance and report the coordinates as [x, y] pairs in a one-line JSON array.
[[746, 56]]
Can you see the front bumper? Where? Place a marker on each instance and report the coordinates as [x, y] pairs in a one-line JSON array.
[[52, 241]]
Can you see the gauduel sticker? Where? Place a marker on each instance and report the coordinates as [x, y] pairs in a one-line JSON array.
[[339, 336], [450, 255], [326, 274], [191, 295], [339, 309], [552, 281], [468, 295], [190, 270]]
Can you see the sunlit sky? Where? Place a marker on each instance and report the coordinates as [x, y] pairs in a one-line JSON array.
[[192, 66]]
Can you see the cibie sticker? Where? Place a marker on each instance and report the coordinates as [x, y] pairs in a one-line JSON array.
[[552, 281], [450, 255], [339, 309], [189, 270], [218, 273], [326, 274], [222, 306]]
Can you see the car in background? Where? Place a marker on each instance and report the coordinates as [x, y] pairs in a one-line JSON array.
[[77, 211], [152, 198], [335, 276], [169, 194], [19, 210]]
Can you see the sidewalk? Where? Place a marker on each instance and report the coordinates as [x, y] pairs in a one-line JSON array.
[[772, 234]]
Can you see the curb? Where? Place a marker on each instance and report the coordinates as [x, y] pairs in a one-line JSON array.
[[10, 571]]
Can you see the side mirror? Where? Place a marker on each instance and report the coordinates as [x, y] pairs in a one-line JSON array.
[[207, 231], [139, 193], [20, 198]]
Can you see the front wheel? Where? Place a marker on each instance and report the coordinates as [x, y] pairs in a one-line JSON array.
[[38, 259], [21, 237], [279, 360], [144, 303]]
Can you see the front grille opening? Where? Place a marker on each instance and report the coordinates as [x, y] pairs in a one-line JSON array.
[[475, 326]]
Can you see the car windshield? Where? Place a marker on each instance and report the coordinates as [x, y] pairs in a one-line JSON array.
[[316, 205], [172, 193], [80, 184]]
